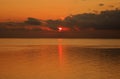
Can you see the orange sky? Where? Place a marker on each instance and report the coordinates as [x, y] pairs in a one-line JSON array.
[[50, 9]]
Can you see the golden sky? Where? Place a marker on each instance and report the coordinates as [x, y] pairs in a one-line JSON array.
[[51, 9]]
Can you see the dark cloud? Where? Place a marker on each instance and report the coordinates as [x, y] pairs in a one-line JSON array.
[[53, 23], [109, 19], [101, 4], [33, 21]]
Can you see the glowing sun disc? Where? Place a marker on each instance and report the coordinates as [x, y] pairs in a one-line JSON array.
[[60, 29]]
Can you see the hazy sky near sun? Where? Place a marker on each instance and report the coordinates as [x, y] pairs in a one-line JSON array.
[[51, 9]]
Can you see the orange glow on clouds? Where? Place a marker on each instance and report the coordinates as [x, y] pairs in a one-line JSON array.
[[63, 28]]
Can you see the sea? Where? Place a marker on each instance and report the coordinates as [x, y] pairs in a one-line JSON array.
[[58, 58]]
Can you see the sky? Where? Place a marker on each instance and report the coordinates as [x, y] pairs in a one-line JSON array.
[[19, 10]]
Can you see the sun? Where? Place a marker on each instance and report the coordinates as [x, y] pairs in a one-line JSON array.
[[60, 29]]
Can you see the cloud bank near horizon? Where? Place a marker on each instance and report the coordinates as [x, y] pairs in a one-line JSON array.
[[106, 20]]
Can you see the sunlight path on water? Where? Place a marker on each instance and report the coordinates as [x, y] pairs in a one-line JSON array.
[[60, 51]]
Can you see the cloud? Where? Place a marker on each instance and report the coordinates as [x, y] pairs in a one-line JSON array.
[[108, 19], [53, 23], [32, 21], [101, 4]]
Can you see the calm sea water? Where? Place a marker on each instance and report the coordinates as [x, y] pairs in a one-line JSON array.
[[59, 58]]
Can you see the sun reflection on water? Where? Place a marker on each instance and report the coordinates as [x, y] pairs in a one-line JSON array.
[[60, 51]]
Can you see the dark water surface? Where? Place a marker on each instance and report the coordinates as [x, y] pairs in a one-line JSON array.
[[59, 59]]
